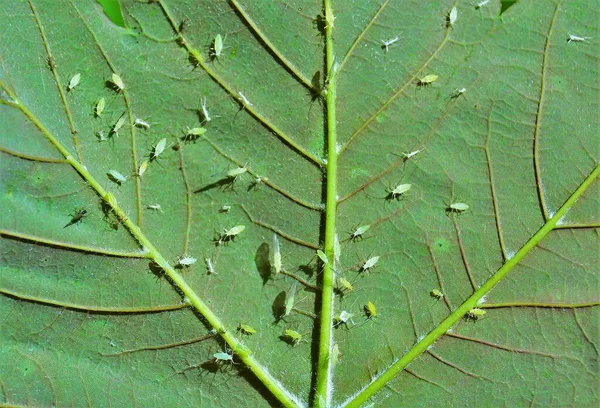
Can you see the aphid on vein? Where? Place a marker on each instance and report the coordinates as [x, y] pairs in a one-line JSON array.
[[117, 82], [457, 92], [77, 217], [292, 337], [205, 114], [576, 38], [118, 125], [359, 232], [73, 82], [397, 192], [143, 167], [436, 294], [452, 16], [475, 313], [385, 44], [100, 105], [51, 63], [276, 255], [370, 310], [142, 124], [155, 207], [193, 134], [185, 261], [322, 257], [369, 264], [158, 149], [426, 81], [457, 208], [116, 177], [245, 100], [245, 329], [210, 268], [230, 234]]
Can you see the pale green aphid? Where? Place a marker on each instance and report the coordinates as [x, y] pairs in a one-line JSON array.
[[73, 82], [292, 336], [452, 16], [159, 148], [245, 100], [185, 260], [345, 284], [337, 250], [116, 177], [335, 354], [143, 167], [100, 105], [427, 80], [155, 207], [101, 136], [289, 300], [236, 173], [245, 329], [276, 255], [322, 257], [120, 122], [217, 47], [359, 232], [369, 263], [397, 192], [209, 266], [197, 131], [457, 207], [370, 310], [476, 313], [222, 356], [116, 79], [230, 234], [141, 124], [436, 294]]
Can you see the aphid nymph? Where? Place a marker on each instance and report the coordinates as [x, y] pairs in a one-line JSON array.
[[235, 174], [245, 100], [116, 177], [118, 125], [100, 105], [193, 134], [457, 208], [216, 48], [185, 261], [369, 264], [370, 310], [481, 4], [73, 82], [245, 329], [576, 38], [476, 313], [77, 217], [426, 81], [155, 207], [143, 167], [142, 124], [117, 82], [230, 234], [457, 92], [436, 293], [225, 209], [222, 356], [292, 337], [359, 232], [158, 149], [397, 192], [451, 17]]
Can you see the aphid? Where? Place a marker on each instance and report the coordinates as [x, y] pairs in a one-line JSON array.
[[457, 208], [481, 4], [345, 284], [101, 136], [116, 177], [100, 105], [385, 44], [217, 47], [225, 209], [118, 125], [292, 337], [141, 124], [322, 257], [186, 261], [426, 81], [475, 313], [457, 92], [76, 217], [118, 82], [436, 294], [343, 318], [369, 264], [276, 255], [335, 354], [337, 250], [244, 99], [205, 114], [230, 234], [576, 38], [155, 207], [407, 156], [358, 233], [452, 16], [143, 167], [329, 17], [158, 149], [51, 63], [245, 329], [193, 133], [397, 192], [236, 173], [210, 268], [370, 310], [222, 356], [73, 82], [289, 300]]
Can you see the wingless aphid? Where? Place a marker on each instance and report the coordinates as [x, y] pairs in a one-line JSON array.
[[142, 124], [225, 209], [217, 47], [452, 16], [118, 125], [475, 313], [155, 207], [193, 133], [158, 149], [345, 284], [118, 82], [292, 337], [576, 38], [436, 294], [369, 264], [397, 192], [426, 81], [77, 217], [143, 167], [322, 257], [116, 177], [245, 329], [186, 261], [370, 310], [231, 234], [457, 208], [359, 232], [457, 92], [73, 82], [276, 255], [223, 357], [100, 105]]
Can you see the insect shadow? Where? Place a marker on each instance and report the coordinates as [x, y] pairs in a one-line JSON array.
[[263, 263], [278, 306], [222, 183]]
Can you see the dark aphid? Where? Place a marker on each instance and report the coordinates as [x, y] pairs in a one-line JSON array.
[[76, 217]]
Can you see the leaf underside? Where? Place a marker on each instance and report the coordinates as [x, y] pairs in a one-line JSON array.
[[89, 316]]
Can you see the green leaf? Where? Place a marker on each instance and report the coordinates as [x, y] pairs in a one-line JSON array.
[[308, 122]]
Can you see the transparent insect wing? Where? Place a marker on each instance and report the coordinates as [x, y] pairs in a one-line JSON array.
[[276, 254], [100, 105], [74, 82], [116, 79]]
